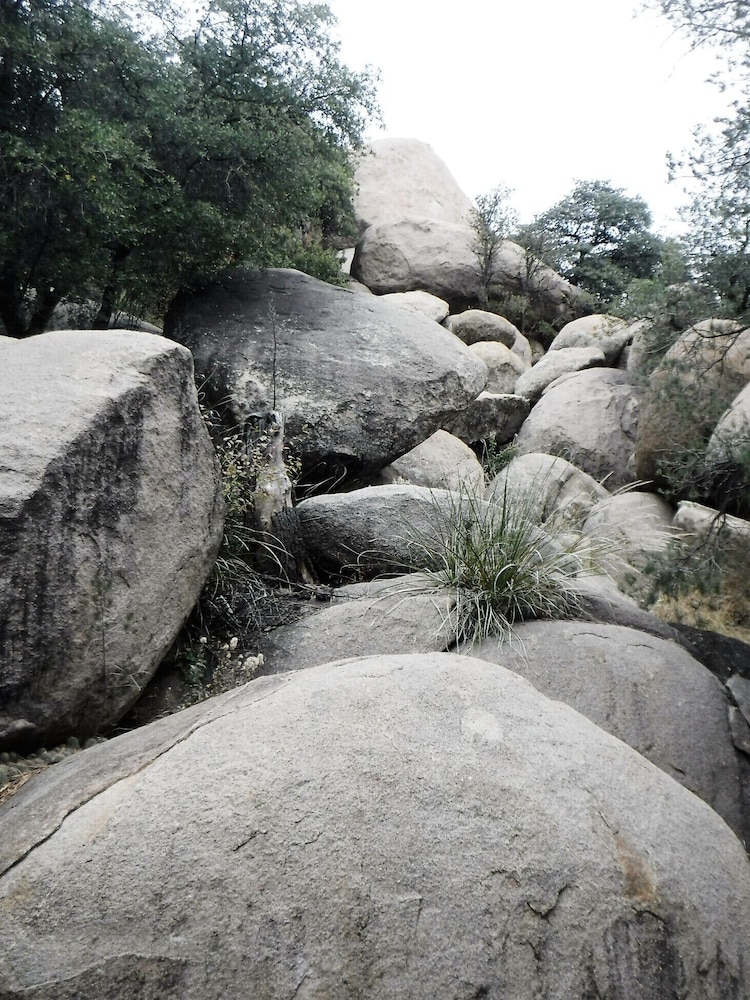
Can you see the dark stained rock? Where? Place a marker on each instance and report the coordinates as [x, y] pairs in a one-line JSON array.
[[360, 382], [110, 518]]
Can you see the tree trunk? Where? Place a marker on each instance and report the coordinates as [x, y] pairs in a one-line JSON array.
[[109, 295]]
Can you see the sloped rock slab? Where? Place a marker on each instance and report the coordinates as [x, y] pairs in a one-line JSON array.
[[590, 418], [404, 618], [646, 691], [376, 529], [421, 826]]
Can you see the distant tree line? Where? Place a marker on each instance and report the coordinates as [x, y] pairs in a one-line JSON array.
[[139, 149]]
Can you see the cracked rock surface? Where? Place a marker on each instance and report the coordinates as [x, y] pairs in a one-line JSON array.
[[423, 826]]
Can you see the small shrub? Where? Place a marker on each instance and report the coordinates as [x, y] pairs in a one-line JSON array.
[[500, 566], [494, 456], [239, 601], [703, 581]]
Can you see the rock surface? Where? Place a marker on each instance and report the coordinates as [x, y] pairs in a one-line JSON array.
[[359, 381], [407, 616], [447, 831], [439, 257], [419, 253], [646, 691], [590, 418], [402, 178], [496, 415], [504, 367], [376, 529], [561, 361], [419, 302], [727, 457], [443, 461], [559, 489], [609, 334], [637, 527], [110, 517], [476, 325]]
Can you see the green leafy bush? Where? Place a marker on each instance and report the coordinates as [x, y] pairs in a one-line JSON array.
[[240, 600]]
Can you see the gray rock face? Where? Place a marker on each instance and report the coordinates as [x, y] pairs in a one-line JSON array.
[[638, 527], [561, 490], [374, 529], [555, 363], [418, 827], [504, 366], [590, 418], [360, 382], [419, 253], [609, 334], [419, 302], [474, 326], [442, 461], [498, 415], [646, 691], [402, 178], [732, 430], [110, 517], [439, 257], [403, 618]]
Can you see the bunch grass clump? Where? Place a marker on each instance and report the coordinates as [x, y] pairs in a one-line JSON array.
[[501, 566]]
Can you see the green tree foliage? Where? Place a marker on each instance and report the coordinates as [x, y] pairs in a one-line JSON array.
[[718, 166], [492, 219], [598, 238], [137, 152], [602, 239]]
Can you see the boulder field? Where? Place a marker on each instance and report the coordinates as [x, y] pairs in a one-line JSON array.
[[379, 812]]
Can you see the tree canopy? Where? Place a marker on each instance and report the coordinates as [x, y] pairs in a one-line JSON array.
[[139, 150], [598, 238], [718, 165]]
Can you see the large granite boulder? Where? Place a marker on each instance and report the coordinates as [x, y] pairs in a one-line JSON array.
[[359, 381], [412, 826], [477, 325], [491, 415], [637, 528], [378, 528], [420, 302], [441, 257], [504, 367], [408, 614], [644, 690], [419, 253], [689, 391], [110, 518], [727, 459], [403, 178], [555, 487], [590, 418]]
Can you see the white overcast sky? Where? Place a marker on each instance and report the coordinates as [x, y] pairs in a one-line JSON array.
[[536, 94]]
